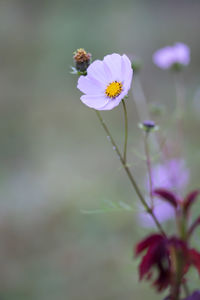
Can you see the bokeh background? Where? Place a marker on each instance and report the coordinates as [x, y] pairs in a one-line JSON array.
[[56, 165]]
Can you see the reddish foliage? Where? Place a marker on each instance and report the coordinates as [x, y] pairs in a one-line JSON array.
[[158, 255]]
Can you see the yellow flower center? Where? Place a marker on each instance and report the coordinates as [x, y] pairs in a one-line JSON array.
[[114, 89]]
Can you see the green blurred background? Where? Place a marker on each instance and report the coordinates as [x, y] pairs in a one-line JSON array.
[[55, 159]]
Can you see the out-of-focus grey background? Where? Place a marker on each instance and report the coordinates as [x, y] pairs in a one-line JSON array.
[[55, 160]]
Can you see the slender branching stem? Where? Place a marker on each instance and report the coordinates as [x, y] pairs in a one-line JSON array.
[[125, 129], [130, 176], [135, 186]]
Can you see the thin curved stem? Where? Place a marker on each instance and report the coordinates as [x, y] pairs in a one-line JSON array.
[[125, 129], [180, 110], [148, 161], [128, 172], [180, 96]]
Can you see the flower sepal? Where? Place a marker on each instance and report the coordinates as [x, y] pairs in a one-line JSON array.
[[177, 67], [76, 72]]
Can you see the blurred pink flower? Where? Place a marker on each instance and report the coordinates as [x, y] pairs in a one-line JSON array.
[[172, 175], [107, 82], [166, 57]]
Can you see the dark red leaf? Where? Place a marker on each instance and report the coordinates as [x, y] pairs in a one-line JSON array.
[[149, 241], [166, 195], [190, 199], [193, 226], [163, 280], [147, 262], [157, 256], [178, 244], [195, 259]]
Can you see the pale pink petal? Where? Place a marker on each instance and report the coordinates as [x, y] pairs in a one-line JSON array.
[[112, 103], [90, 86], [96, 70], [114, 63], [94, 101], [127, 72]]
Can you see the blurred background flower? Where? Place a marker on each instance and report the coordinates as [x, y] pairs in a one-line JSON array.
[[171, 175], [168, 57]]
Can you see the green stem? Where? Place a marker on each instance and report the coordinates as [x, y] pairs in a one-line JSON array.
[[180, 99], [179, 264], [180, 110], [126, 129], [179, 259], [148, 161], [128, 172]]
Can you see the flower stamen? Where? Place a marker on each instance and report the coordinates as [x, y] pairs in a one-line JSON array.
[[114, 89]]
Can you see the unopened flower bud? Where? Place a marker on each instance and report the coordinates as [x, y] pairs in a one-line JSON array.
[[82, 60], [148, 126]]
